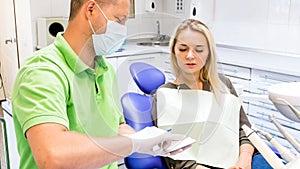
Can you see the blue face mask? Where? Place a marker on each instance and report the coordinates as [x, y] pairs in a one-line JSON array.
[[111, 40]]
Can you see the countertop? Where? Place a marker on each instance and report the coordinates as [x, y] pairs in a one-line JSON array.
[[285, 63], [246, 57], [131, 48]]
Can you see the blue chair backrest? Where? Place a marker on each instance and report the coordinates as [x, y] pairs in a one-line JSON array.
[[137, 109], [147, 77]]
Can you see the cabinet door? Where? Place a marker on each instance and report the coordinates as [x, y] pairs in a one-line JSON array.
[[113, 61], [125, 81], [259, 111], [8, 48], [164, 63], [239, 76]]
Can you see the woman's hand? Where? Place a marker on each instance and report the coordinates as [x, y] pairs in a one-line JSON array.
[[245, 157], [245, 160]]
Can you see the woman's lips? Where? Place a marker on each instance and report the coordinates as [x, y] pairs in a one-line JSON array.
[[190, 65]]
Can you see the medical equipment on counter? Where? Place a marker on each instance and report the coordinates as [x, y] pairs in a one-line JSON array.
[[286, 99], [284, 152], [294, 110], [287, 135], [267, 153], [263, 148]]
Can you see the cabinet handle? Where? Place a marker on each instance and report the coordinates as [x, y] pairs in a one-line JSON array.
[[230, 70], [11, 40], [168, 72], [141, 59], [274, 78]]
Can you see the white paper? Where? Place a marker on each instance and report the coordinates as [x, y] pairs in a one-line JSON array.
[[175, 145], [152, 132], [214, 124]]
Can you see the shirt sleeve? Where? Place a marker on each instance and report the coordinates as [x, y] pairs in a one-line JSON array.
[[41, 97]]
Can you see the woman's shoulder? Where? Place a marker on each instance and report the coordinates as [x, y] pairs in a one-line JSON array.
[[225, 80], [174, 86], [228, 83], [169, 85]]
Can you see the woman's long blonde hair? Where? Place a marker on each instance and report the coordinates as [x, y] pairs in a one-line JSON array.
[[209, 71]]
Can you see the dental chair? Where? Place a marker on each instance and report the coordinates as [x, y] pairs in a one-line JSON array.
[[137, 109]]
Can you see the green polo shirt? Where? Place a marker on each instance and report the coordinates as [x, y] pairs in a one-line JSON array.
[[55, 86]]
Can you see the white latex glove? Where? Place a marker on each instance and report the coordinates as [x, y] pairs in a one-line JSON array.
[[151, 140]]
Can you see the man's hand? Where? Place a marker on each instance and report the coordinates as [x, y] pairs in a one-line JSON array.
[[125, 129], [145, 140]]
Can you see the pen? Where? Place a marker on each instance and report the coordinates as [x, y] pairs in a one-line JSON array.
[[169, 130]]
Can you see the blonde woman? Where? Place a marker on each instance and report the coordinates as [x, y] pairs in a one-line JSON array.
[[193, 58]]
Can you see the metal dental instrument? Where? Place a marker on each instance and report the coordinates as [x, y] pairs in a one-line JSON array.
[[263, 148], [284, 152], [287, 135]]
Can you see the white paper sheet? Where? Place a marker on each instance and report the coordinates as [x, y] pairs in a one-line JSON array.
[[197, 114]]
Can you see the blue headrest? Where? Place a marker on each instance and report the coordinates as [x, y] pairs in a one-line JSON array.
[[137, 110], [147, 77]]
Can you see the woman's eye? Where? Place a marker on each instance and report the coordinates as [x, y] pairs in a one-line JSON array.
[[182, 50], [199, 51]]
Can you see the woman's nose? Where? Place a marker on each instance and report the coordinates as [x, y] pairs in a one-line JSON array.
[[190, 55]]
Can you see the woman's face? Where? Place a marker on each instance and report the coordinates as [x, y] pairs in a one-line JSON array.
[[191, 51]]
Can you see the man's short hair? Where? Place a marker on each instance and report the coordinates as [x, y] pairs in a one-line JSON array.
[[76, 5]]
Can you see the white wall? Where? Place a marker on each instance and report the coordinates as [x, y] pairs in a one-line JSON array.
[[262, 24], [144, 22], [47, 8]]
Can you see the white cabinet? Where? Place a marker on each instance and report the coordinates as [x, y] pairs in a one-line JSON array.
[[122, 64], [165, 65], [15, 42], [260, 82], [256, 82], [125, 81], [8, 48], [239, 76]]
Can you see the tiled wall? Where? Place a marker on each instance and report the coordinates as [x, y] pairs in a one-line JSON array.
[[263, 24]]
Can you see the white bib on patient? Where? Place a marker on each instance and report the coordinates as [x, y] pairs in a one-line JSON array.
[[197, 114]]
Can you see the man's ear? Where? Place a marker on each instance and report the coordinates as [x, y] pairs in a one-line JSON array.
[[89, 8]]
